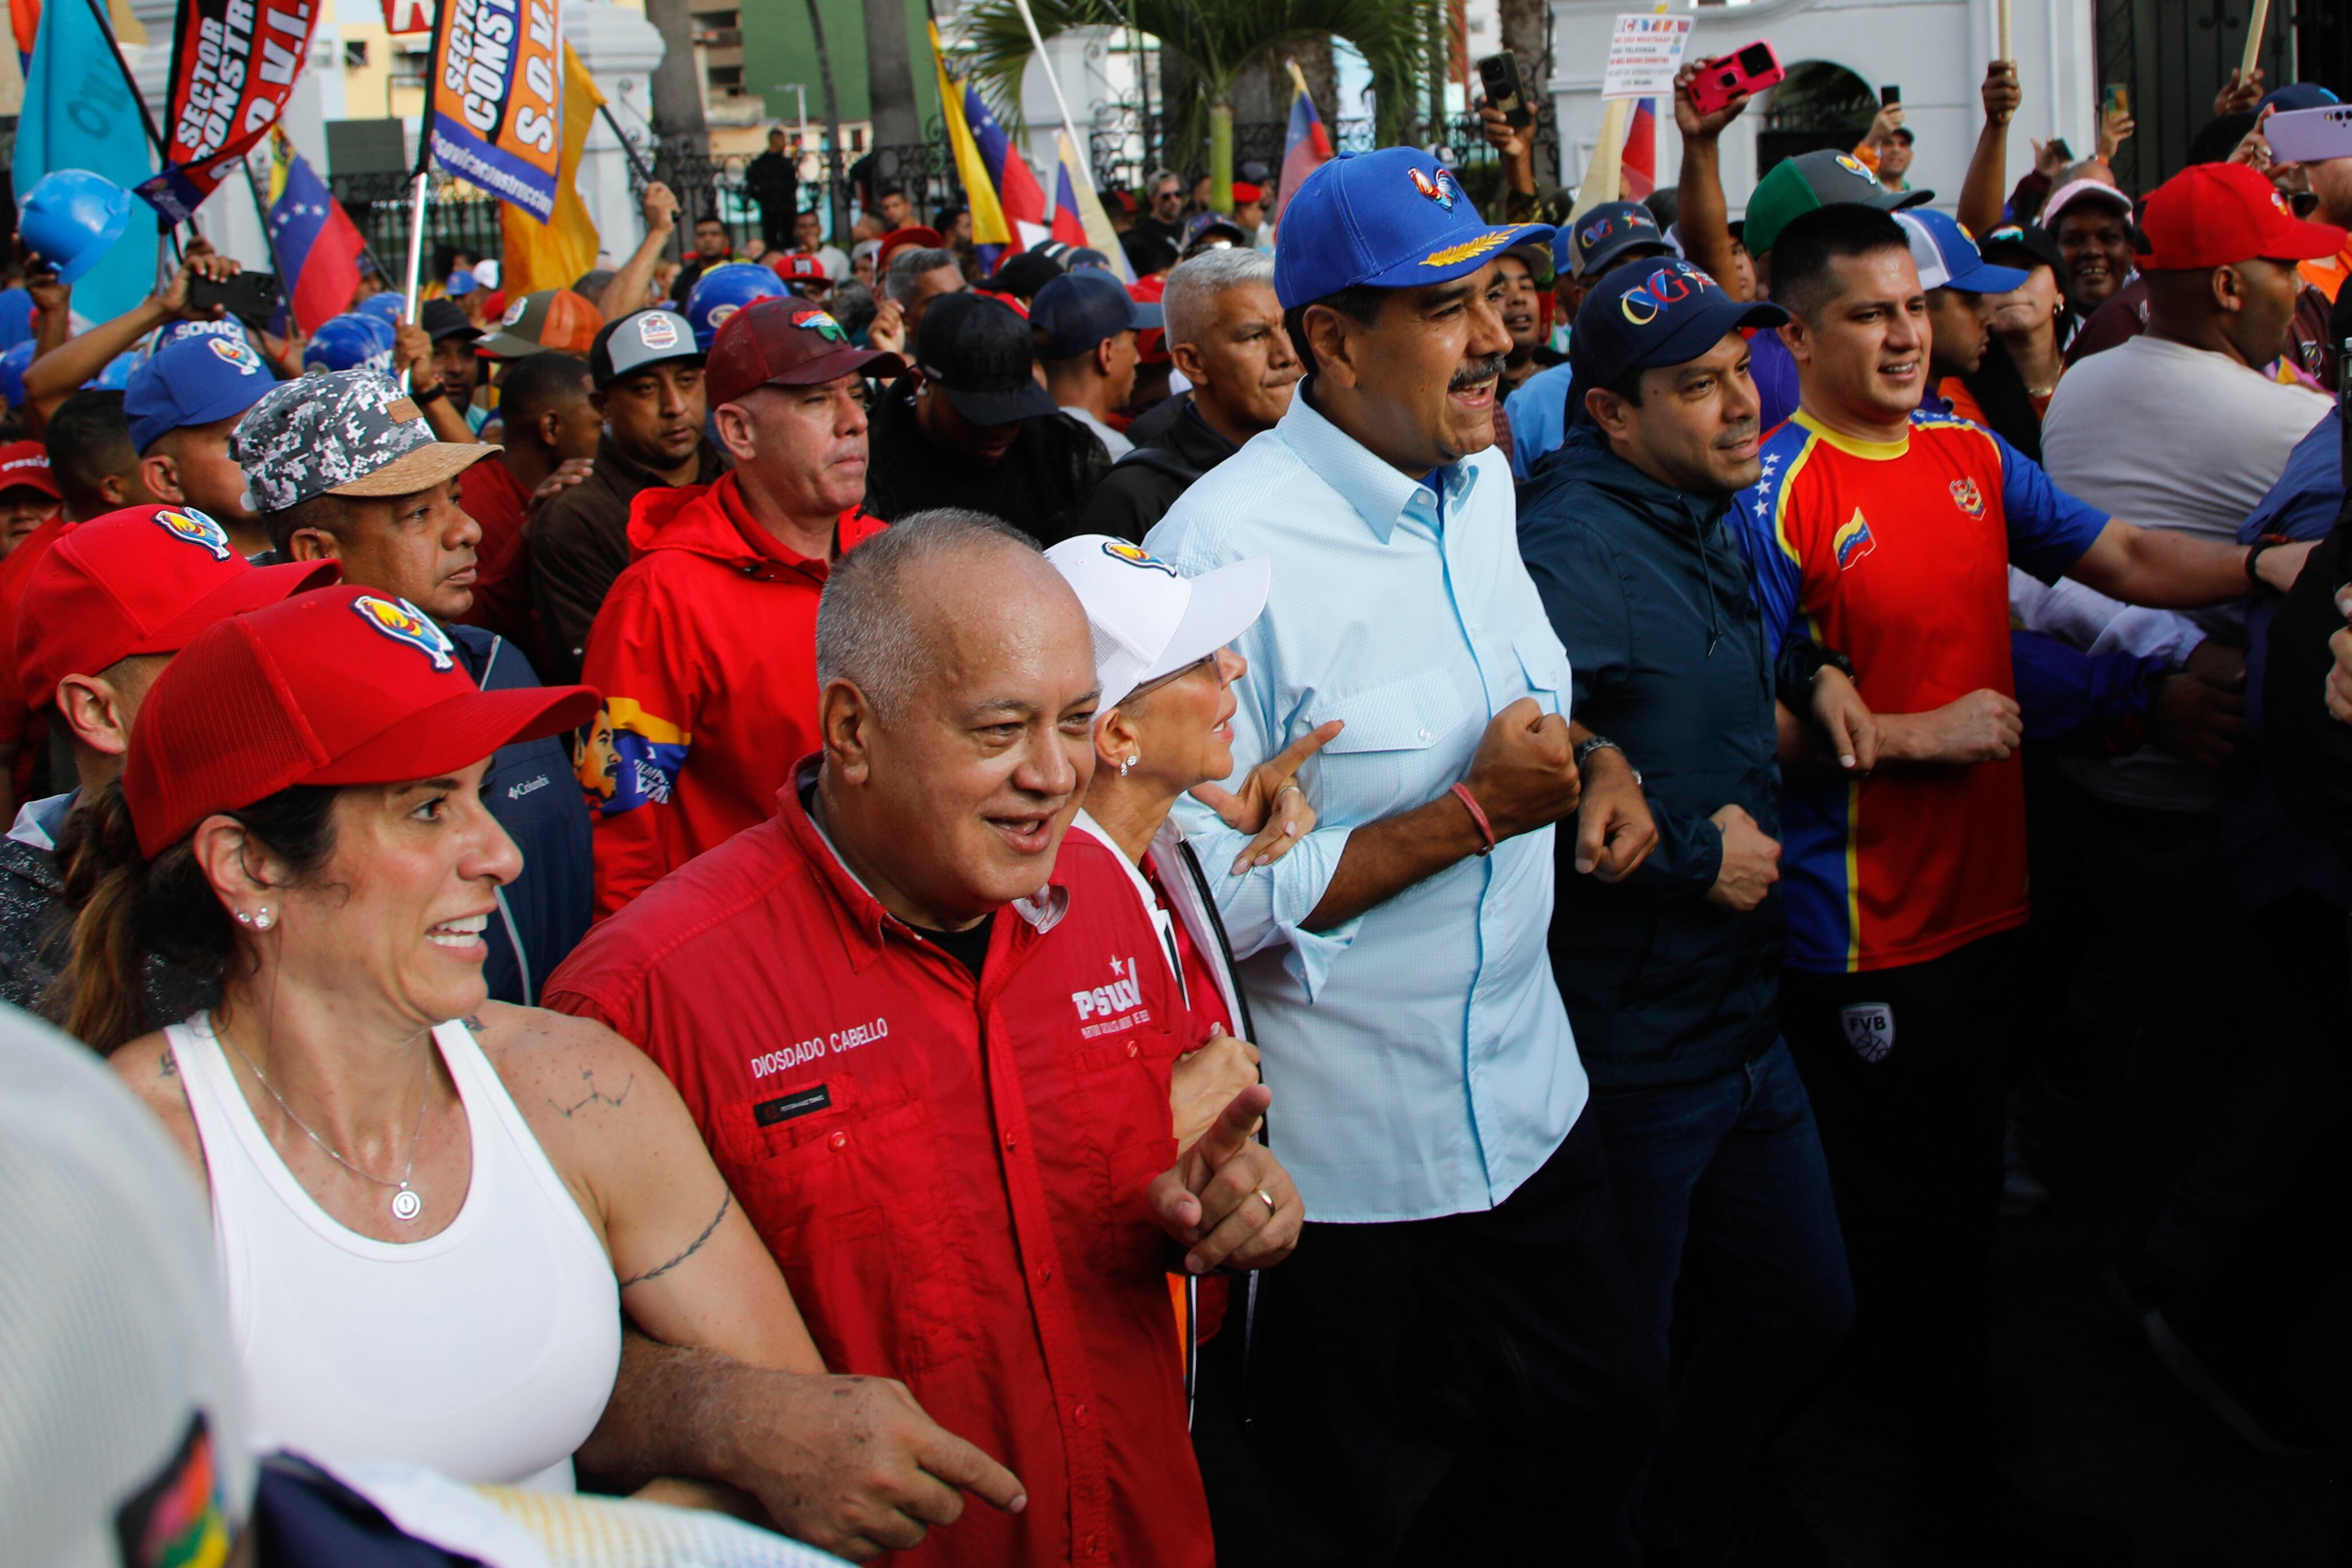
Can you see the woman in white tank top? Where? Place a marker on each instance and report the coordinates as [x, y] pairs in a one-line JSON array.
[[430, 1209]]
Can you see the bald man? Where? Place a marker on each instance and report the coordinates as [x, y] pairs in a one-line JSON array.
[[948, 1116]]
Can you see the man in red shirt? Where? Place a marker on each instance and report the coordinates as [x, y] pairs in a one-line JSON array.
[[551, 430], [947, 1110], [1886, 530], [706, 646]]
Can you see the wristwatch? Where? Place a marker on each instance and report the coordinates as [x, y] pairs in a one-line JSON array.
[[2254, 555], [420, 396], [1591, 744]]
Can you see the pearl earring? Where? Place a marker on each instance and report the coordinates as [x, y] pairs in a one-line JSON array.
[[1132, 758]]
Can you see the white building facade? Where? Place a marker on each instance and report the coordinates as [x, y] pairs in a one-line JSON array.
[[1935, 50]]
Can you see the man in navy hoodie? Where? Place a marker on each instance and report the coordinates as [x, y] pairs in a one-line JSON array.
[[1672, 975], [343, 467]]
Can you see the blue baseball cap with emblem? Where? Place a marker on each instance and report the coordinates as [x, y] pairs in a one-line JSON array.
[[1946, 256], [1590, 243], [1078, 310], [193, 381], [1640, 317], [1396, 218]]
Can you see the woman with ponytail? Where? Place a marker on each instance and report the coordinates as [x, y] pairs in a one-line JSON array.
[[432, 1210]]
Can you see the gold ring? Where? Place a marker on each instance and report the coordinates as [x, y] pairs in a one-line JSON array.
[[1268, 1201]]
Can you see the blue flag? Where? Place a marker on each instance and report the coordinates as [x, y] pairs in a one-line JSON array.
[[78, 114]]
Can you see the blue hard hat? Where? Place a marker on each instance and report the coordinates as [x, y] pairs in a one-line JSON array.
[[71, 218], [12, 366], [388, 306], [722, 291], [115, 376], [349, 342]]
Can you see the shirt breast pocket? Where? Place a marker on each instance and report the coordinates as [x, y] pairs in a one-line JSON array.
[[847, 1191], [1545, 665], [1380, 763]]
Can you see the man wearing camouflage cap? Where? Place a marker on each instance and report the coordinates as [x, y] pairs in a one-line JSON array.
[[343, 467]]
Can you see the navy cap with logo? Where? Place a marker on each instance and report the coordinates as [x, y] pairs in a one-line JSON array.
[[977, 351], [1077, 310], [633, 342], [1640, 317], [1591, 242], [1396, 218], [192, 381]]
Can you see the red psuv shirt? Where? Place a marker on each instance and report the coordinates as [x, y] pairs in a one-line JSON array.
[[706, 651], [950, 1171]]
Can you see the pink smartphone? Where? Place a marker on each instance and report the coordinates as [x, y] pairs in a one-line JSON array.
[[1749, 70]]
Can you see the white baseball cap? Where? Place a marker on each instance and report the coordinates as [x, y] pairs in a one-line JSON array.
[[1148, 619], [2075, 191]]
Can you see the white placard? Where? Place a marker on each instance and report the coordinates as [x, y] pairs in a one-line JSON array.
[[1644, 52]]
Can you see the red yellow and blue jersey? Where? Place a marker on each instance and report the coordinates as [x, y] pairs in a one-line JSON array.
[[1896, 554]]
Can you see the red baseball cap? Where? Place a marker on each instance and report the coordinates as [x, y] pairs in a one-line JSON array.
[[143, 579], [1246, 192], [337, 687], [797, 267], [785, 341], [25, 464], [2211, 215], [912, 234]]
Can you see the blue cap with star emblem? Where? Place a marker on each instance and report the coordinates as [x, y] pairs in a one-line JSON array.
[[1396, 218], [192, 381]]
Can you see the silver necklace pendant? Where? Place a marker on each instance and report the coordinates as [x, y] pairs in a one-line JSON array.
[[407, 1204]]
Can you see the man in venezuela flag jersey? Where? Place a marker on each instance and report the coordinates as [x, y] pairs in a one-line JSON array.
[[1883, 531]]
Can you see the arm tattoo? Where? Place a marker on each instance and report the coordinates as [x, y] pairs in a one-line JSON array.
[[594, 1095], [473, 1023], [168, 1067], [724, 1203]]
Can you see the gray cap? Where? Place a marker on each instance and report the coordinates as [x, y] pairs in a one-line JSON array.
[[346, 433]]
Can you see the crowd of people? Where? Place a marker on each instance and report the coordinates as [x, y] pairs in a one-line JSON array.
[[973, 909]]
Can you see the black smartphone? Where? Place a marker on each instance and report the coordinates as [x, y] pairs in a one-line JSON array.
[[251, 297], [1889, 95], [1500, 74]]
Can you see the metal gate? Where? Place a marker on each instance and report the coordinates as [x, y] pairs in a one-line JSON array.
[[2174, 55]]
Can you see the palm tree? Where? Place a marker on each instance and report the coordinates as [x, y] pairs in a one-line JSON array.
[[1218, 39]]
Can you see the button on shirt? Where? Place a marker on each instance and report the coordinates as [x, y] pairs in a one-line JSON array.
[[1420, 1057]]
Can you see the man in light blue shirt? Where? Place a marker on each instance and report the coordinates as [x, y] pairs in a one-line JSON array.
[[1395, 960]]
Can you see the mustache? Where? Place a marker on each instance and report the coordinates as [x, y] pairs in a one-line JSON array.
[[1486, 368]]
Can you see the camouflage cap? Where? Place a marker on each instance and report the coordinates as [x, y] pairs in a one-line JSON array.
[[346, 433]]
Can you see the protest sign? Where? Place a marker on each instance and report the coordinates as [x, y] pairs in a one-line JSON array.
[[1644, 52]]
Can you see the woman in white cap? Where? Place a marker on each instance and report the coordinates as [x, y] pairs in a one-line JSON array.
[[1163, 728]]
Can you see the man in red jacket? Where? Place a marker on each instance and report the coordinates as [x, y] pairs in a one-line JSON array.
[[706, 647], [945, 1105]]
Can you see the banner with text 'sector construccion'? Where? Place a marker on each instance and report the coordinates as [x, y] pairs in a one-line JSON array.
[[497, 106], [232, 66]]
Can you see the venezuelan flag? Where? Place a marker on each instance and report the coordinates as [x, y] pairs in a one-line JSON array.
[[1008, 208]]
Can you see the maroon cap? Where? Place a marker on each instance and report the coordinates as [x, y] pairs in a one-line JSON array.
[[785, 343], [144, 580], [338, 686]]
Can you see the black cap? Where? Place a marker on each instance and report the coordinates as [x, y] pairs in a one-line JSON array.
[[1642, 316], [2028, 242], [1024, 272], [443, 320], [976, 350]]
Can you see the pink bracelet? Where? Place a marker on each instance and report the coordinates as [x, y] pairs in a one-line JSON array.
[[1485, 828]]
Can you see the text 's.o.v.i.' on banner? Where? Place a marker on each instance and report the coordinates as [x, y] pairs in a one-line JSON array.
[[497, 113], [232, 66]]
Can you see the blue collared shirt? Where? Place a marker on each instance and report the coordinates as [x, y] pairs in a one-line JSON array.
[[1420, 1056], [1539, 416]]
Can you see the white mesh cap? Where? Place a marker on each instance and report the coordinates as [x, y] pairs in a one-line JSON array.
[[1148, 619], [113, 1341]]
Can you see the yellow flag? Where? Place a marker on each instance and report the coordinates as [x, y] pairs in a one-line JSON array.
[[555, 254], [988, 225]]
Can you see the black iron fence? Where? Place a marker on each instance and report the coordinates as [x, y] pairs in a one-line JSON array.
[[458, 217]]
